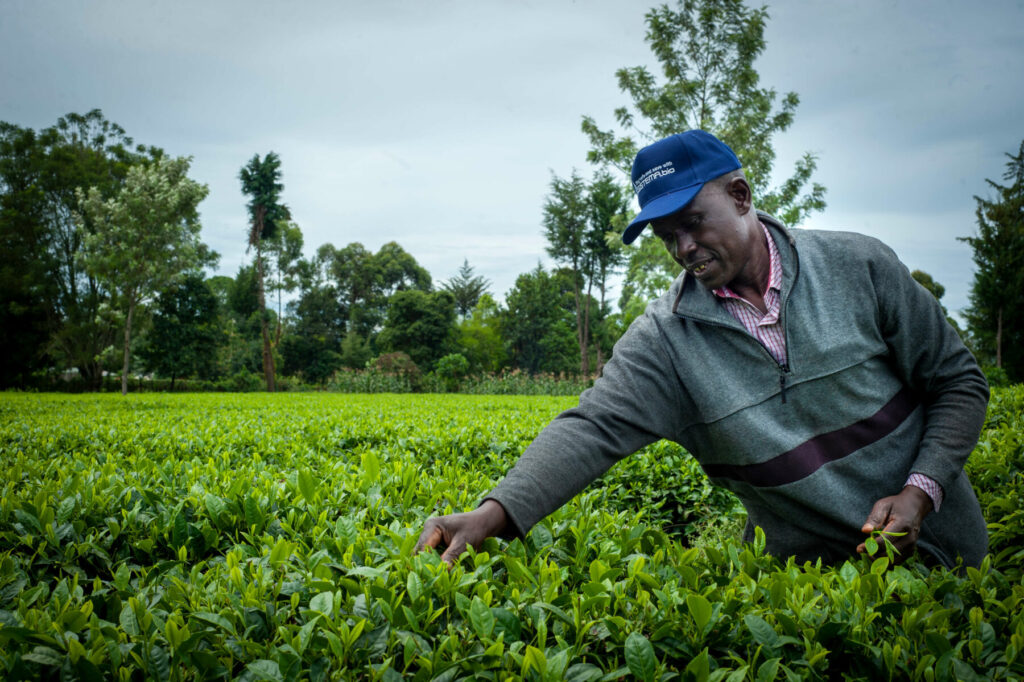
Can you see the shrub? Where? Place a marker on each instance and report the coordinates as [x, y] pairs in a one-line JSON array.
[[451, 369]]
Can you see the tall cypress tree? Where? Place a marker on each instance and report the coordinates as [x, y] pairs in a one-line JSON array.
[[995, 317]]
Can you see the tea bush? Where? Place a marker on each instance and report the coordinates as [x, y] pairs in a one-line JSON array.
[[269, 537]]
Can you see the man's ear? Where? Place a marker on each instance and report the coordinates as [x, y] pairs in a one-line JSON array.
[[739, 190]]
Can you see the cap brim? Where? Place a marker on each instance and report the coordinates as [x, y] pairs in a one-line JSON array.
[[665, 205]]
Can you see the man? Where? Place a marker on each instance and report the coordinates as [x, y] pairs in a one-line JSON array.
[[806, 371]]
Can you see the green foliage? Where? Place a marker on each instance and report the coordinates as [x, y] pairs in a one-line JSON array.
[[270, 537], [145, 237], [995, 318], [582, 223], [186, 332], [996, 468], [313, 346], [479, 337], [451, 369], [929, 283], [26, 285], [355, 351], [363, 282], [537, 324], [467, 288], [420, 324], [314, 358], [54, 311], [261, 182], [565, 228]]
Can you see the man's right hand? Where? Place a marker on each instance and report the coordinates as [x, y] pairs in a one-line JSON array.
[[456, 531]]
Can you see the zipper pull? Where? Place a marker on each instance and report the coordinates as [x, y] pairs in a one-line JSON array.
[[782, 387]]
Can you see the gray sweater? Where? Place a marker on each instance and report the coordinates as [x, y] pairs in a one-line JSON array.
[[878, 385]]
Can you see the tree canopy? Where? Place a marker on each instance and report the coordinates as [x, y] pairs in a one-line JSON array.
[[145, 237], [995, 317], [467, 287]]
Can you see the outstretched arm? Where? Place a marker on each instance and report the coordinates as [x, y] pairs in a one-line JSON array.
[[635, 402]]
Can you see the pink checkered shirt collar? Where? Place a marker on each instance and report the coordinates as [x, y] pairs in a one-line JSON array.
[[774, 271]]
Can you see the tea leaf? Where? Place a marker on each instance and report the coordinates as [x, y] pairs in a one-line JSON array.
[[481, 617], [763, 632], [307, 486], [640, 656], [700, 610]]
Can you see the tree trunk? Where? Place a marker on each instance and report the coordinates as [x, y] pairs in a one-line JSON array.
[[268, 356], [600, 352], [127, 346], [586, 329], [277, 331], [999, 337], [581, 339]]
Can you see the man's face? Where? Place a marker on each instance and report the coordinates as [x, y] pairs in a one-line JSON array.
[[710, 238]]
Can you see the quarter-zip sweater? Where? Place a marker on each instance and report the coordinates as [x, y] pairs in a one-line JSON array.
[[878, 386]]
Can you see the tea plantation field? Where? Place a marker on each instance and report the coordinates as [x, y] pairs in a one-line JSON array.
[[269, 537]]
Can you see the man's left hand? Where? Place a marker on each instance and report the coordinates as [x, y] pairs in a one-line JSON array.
[[902, 513]]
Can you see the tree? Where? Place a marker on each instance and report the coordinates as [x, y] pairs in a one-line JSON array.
[[261, 182], [187, 332], [365, 282], [26, 283], [244, 351], [46, 291], [355, 351], [537, 324], [706, 50], [286, 250], [420, 324], [467, 288], [144, 238], [607, 216], [582, 222], [354, 272], [313, 346], [565, 227], [399, 271], [995, 318], [479, 337]]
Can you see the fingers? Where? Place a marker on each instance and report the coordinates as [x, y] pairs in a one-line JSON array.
[[879, 516], [455, 549], [430, 537], [433, 535], [458, 531], [436, 533]]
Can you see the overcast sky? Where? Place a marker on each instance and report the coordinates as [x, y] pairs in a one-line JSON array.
[[437, 124]]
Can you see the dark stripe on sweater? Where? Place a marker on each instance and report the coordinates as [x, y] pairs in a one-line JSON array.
[[811, 455]]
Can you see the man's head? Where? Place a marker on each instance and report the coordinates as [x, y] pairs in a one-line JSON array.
[[702, 210], [668, 174]]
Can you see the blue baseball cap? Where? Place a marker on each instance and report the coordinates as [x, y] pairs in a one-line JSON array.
[[668, 174]]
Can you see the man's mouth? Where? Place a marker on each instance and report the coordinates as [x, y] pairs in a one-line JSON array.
[[699, 267]]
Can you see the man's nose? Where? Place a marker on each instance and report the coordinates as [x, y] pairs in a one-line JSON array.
[[684, 243]]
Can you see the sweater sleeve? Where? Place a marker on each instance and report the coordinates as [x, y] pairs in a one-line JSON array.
[[630, 406], [932, 361]]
